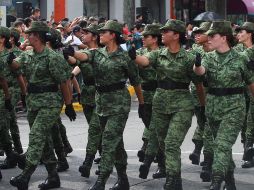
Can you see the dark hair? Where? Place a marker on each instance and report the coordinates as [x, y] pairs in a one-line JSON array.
[[83, 24], [119, 39], [182, 38], [16, 40], [138, 26], [43, 36], [138, 16], [159, 41], [27, 21], [18, 23], [230, 39], [7, 43], [101, 20], [35, 10], [252, 35]]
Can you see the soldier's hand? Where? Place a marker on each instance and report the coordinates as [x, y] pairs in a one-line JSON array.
[[23, 100], [8, 105], [132, 53], [250, 65], [68, 51], [198, 60], [70, 112], [10, 58]]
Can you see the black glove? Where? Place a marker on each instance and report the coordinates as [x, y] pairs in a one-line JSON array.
[[79, 98], [250, 65], [23, 100], [70, 112], [8, 105], [68, 51], [132, 53], [198, 60], [10, 58]]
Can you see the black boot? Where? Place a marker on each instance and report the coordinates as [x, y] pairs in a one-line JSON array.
[[216, 182], [142, 151], [10, 160], [97, 160], [22, 161], [173, 182], [206, 172], [53, 180], [248, 155], [161, 171], [195, 155], [122, 182], [1, 152], [1, 175], [17, 143], [101, 181], [87, 165], [144, 168], [67, 147], [21, 181], [229, 181], [62, 163]]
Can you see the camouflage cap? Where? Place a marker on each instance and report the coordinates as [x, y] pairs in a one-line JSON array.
[[174, 25], [55, 34], [204, 26], [93, 28], [152, 29], [15, 33], [38, 26], [220, 27], [113, 26], [249, 26], [4, 31]]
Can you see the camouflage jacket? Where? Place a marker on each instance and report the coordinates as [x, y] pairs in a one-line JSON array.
[[232, 72], [43, 69], [111, 69], [179, 68]]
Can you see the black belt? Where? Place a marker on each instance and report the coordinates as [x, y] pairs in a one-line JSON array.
[[111, 87], [225, 91], [172, 85], [89, 81], [149, 86], [31, 88]]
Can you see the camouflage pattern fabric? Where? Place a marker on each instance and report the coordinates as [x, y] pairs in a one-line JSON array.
[[225, 114]]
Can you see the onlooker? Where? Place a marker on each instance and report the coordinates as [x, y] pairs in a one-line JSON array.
[[36, 13], [74, 39]]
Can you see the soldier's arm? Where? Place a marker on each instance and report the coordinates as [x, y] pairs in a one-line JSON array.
[[81, 56], [201, 93], [4, 85], [66, 93], [22, 84], [138, 91], [142, 60]]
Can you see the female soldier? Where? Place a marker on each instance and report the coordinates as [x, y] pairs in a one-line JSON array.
[[112, 67], [246, 36], [91, 39], [10, 161], [43, 70], [172, 102], [227, 73]]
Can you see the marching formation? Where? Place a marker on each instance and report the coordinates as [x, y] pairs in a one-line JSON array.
[[43, 65]]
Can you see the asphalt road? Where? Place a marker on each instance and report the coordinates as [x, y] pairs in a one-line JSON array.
[[77, 133]]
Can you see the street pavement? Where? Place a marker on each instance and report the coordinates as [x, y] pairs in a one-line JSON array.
[[77, 133]]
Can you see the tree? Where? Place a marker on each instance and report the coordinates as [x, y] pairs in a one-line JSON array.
[[218, 6], [129, 12]]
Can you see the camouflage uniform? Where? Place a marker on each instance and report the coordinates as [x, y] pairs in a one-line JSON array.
[[172, 118], [113, 101], [225, 109], [5, 138], [44, 72]]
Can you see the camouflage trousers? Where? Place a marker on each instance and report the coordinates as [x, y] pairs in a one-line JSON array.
[[250, 123], [113, 152], [57, 137], [5, 139], [94, 130], [40, 137], [171, 130], [198, 134], [147, 121], [225, 132]]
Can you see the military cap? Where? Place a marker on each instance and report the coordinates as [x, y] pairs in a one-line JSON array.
[[152, 29], [55, 34], [14, 32], [248, 26], [38, 26], [93, 28], [4, 31], [220, 27], [204, 27], [174, 25], [113, 26]]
